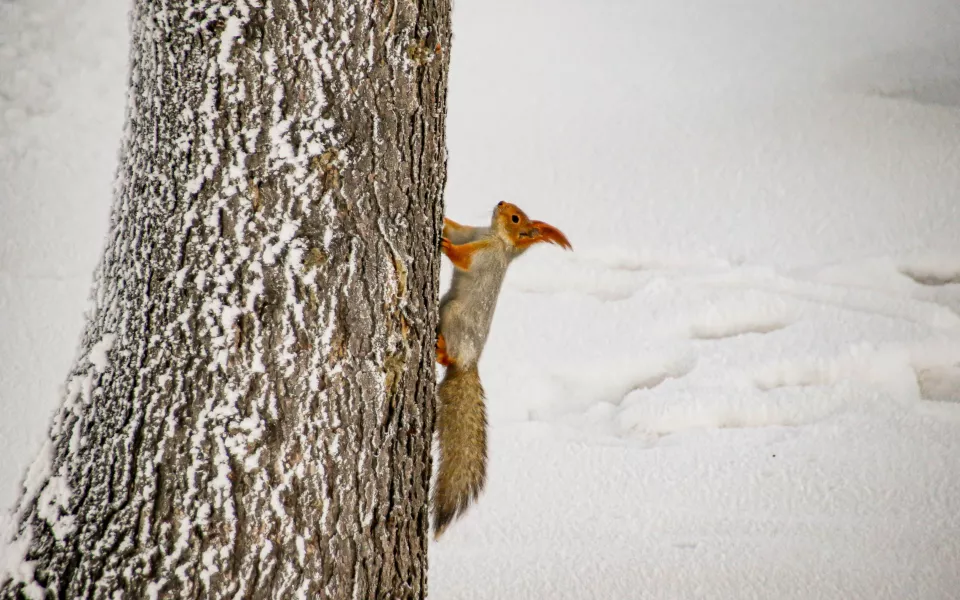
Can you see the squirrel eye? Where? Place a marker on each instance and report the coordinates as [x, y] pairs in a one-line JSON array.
[[515, 219]]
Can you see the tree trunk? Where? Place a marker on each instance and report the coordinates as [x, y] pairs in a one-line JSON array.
[[251, 412]]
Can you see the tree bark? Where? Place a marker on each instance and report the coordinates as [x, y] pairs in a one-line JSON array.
[[251, 411]]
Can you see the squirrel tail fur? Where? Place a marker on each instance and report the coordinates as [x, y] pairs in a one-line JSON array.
[[462, 433]]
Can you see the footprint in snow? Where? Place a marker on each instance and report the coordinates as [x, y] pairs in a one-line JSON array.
[[933, 277], [599, 389], [721, 330], [794, 376], [940, 384]]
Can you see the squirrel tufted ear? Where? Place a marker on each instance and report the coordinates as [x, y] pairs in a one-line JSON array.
[[544, 232]]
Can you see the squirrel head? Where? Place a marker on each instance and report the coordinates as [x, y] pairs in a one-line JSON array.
[[519, 231]]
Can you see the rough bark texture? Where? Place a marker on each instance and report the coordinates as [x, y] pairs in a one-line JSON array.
[[251, 411]]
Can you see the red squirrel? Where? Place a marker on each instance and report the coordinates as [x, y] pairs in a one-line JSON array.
[[480, 256]]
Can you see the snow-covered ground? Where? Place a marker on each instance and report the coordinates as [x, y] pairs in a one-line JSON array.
[[744, 382]]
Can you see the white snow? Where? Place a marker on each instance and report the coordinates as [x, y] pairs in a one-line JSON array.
[[51, 503], [231, 31], [745, 380], [98, 353]]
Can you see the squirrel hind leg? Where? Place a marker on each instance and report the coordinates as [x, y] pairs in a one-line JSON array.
[[442, 357]]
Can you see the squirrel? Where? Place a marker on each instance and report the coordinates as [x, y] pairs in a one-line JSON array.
[[480, 256]]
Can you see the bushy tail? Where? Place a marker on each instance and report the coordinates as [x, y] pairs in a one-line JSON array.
[[462, 430]]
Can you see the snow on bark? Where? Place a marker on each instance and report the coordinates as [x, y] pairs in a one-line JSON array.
[[251, 411]]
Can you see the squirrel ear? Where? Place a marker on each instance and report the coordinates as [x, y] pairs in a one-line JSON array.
[[544, 232]]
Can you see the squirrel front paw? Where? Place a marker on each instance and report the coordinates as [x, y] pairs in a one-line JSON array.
[[461, 255]]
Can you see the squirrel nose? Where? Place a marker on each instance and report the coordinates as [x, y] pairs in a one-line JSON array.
[[500, 203]]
